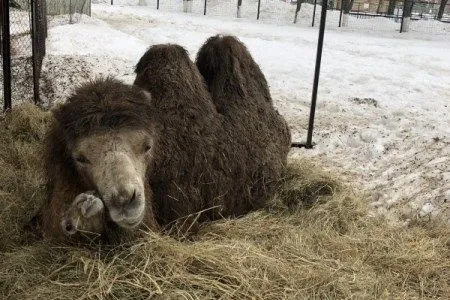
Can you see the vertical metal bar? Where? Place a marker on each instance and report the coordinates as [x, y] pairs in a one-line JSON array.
[[403, 15], [34, 50], [44, 16], [157, 4], [259, 7], [340, 15], [204, 9], [314, 12], [323, 16], [89, 8], [71, 10], [6, 47], [112, 2]]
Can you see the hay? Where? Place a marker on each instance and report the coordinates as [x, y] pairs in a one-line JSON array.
[[321, 244], [22, 182]]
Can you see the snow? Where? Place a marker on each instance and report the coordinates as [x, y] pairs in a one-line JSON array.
[[66, 39], [382, 120]]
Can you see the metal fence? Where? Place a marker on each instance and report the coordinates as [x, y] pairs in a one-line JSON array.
[[425, 16], [376, 15], [24, 29], [72, 9]]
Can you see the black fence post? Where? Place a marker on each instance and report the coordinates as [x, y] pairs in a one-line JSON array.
[[112, 2], [406, 15], [340, 15], [204, 9], [314, 12], [259, 8], [323, 18], [297, 10], [157, 4], [34, 50], [44, 16], [312, 112], [71, 12], [6, 52], [403, 16]]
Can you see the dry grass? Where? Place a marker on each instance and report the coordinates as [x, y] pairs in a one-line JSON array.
[[320, 245]]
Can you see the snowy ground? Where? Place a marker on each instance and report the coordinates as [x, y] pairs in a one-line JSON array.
[[382, 121]]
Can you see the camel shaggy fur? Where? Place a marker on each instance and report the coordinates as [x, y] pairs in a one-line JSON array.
[[188, 153]]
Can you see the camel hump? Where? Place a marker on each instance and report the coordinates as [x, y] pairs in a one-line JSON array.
[[234, 79]]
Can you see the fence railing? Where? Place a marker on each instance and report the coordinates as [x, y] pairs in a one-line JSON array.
[[368, 15]]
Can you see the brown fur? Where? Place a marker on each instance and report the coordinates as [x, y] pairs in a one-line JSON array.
[[219, 153], [240, 92]]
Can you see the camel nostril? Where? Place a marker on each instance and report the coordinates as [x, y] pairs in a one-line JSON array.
[[133, 198]]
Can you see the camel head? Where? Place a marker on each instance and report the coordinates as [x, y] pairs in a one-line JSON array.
[[104, 137], [115, 164]]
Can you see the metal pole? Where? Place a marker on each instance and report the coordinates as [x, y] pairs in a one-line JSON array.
[[112, 2], [70, 12], [44, 16], [6, 49], [340, 15], [204, 9], [157, 4], [323, 16], [403, 15], [34, 51], [312, 112], [259, 7], [314, 12]]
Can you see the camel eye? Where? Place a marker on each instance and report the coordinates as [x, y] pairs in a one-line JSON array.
[[147, 147], [147, 144], [82, 159]]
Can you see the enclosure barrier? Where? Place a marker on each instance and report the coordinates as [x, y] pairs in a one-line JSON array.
[[6, 53], [388, 15], [24, 31]]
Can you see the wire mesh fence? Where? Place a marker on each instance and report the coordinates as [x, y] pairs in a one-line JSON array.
[[24, 25], [376, 15], [69, 11], [21, 63]]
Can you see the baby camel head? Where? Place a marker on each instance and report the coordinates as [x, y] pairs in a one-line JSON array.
[[109, 140]]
